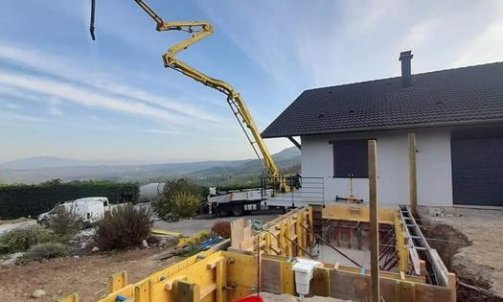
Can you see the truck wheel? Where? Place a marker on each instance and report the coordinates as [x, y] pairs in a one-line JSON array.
[[238, 210], [223, 211]]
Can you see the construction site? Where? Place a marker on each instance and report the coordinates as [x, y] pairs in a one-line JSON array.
[[279, 259], [381, 227]]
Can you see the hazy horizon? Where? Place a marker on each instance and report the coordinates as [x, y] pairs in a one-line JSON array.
[[117, 162]]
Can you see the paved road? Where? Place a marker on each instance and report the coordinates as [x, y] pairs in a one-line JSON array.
[[191, 226]]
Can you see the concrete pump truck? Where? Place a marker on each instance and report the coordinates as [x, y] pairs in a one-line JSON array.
[[223, 203]]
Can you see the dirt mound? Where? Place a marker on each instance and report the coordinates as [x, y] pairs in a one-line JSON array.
[[470, 243]]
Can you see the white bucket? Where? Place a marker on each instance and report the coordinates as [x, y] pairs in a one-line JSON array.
[[303, 274]]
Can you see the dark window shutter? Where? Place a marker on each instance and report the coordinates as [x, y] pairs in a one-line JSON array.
[[351, 158]]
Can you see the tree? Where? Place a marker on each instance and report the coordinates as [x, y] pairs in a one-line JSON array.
[[172, 191], [185, 204]]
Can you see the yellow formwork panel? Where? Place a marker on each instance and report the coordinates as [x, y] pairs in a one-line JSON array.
[[226, 276], [222, 276], [286, 235], [204, 269], [279, 236], [242, 274], [400, 246], [287, 278], [70, 298], [117, 281], [354, 212]]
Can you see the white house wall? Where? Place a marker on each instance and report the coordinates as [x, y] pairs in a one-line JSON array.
[[433, 166]]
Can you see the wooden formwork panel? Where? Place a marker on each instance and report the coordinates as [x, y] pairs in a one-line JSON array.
[[277, 276], [349, 286], [321, 278], [271, 276], [354, 286]]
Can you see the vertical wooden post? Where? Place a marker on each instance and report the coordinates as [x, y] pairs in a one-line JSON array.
[[412, 173], [374, 221], [451, 283], [259, 267]]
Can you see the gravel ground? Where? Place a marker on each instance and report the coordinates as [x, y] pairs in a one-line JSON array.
[[471, 241]]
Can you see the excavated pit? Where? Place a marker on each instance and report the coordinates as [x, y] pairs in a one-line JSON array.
[[352, 239], [474, 280]]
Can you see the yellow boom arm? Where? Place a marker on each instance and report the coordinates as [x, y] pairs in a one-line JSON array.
[[199, 31]]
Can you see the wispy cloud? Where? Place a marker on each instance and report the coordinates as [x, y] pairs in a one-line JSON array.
[[15, 117], [259, 43], [85, 97], [322, 43], [61, 67], [10, 106], [55, 111], [161, 131]]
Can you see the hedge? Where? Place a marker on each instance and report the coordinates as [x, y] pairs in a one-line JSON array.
[[32, 200]]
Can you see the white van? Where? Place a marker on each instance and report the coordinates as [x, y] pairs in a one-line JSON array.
[[90, 209]]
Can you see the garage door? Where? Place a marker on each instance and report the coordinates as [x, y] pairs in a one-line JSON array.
[[477, 169]]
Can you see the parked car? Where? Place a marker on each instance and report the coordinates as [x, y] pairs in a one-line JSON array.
[[90, 209]]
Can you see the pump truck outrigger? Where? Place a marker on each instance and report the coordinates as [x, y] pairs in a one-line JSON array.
[[236, 203]]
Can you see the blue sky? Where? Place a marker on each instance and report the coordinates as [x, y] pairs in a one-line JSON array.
[[63, 95]]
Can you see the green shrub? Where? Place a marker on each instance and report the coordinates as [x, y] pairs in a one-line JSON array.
[[21, 239], [45, 251], [171, 193], [185, 205], [4, 248], [65, 223], [125, 226]]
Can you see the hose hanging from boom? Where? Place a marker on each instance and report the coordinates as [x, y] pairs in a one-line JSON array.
[[93, 13]]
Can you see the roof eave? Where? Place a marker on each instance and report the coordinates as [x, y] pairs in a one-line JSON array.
[[387, 128]]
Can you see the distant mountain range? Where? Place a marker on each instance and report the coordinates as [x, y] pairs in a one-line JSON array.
[[40, 169]]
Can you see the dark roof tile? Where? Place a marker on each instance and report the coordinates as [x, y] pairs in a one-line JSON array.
[[462, 95]]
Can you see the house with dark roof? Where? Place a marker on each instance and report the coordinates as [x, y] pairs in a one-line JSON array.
[[456, 115]]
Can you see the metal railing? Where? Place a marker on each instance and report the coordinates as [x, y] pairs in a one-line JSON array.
[[300, 190]]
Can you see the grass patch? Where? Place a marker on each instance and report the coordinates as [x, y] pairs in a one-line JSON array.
[[21, 239], [41, 251]]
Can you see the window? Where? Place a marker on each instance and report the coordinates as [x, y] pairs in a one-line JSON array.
[[351, 158]]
